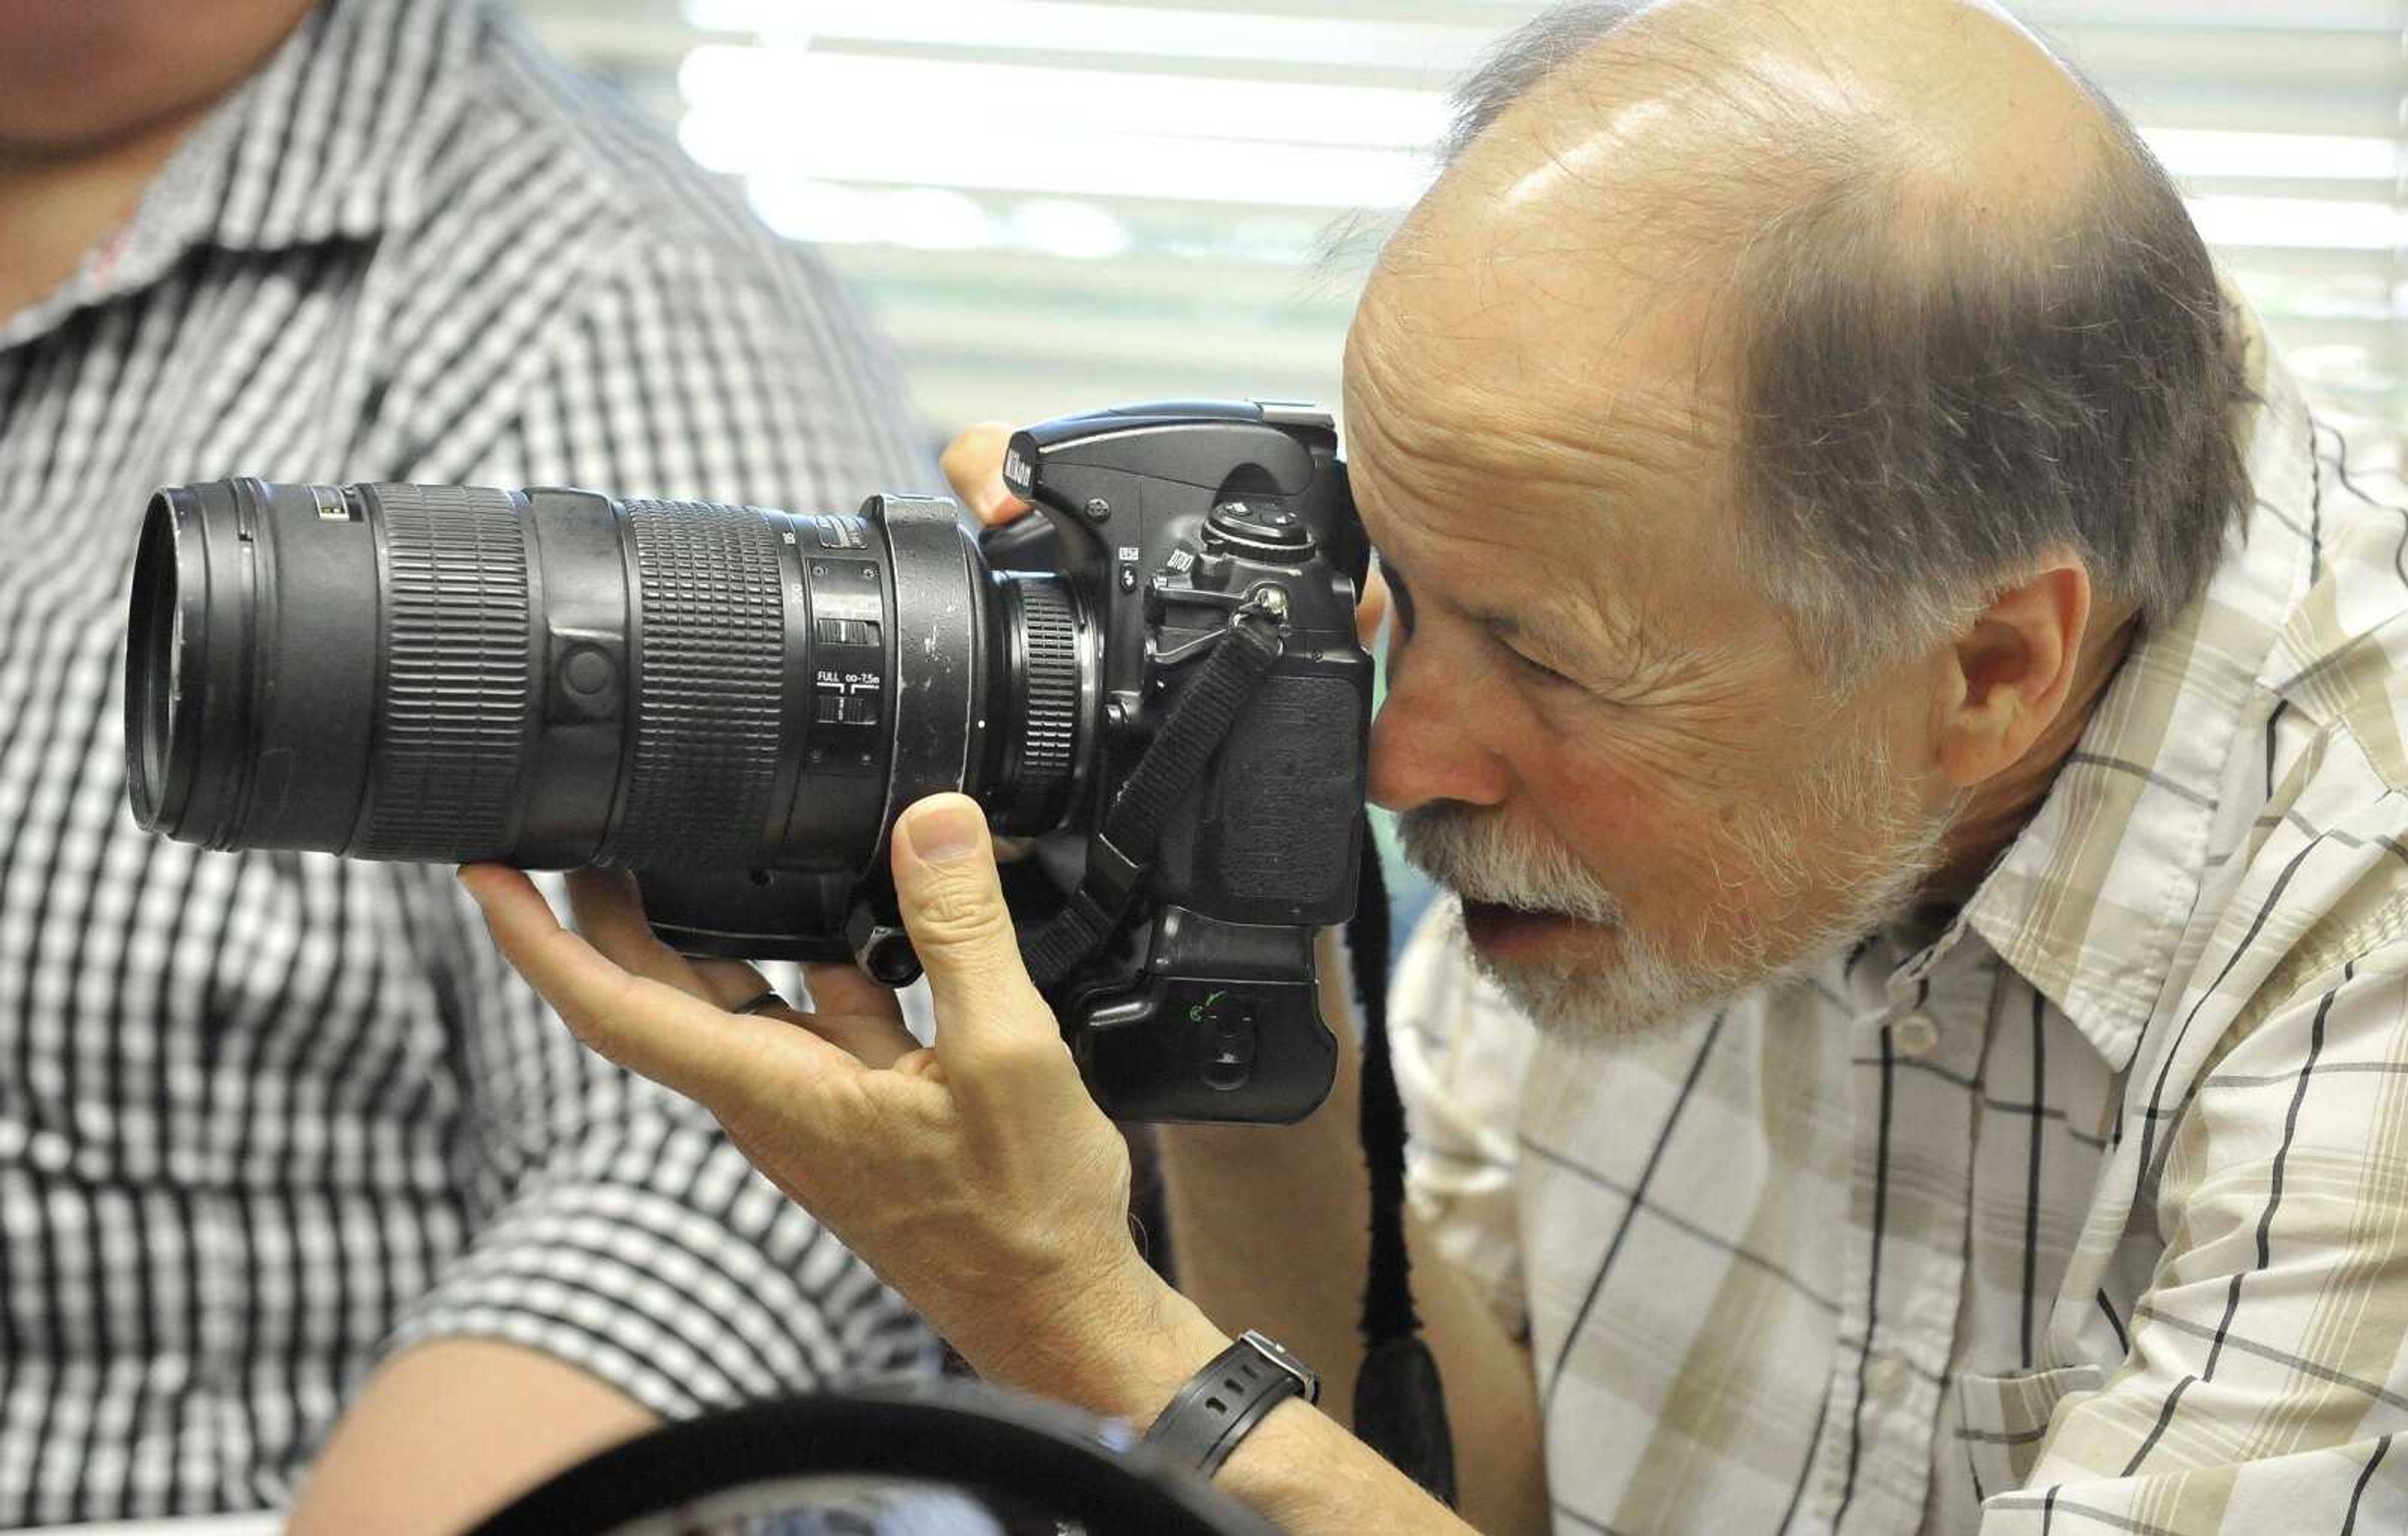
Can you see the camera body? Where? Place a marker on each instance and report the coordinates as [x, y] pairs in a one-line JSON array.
[[1176, 516], [739, 702], [1160, 520]]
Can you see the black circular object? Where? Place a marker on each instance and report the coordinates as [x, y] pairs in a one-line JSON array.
[[1264, 528], [1043, 631], [1025, 1463]]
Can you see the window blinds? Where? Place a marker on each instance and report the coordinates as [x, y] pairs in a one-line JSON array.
[[1053, 204]]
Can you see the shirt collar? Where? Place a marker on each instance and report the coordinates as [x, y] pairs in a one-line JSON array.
[[331, 140], [2129, 818]]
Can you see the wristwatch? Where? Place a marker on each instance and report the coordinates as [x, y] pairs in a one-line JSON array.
[[1221, 1404]]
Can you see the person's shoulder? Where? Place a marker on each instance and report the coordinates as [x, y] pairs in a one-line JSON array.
[[2334, 663], [609, 188]]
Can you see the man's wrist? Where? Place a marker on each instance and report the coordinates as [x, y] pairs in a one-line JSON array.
[[1119, 1348], [1182, 1342]]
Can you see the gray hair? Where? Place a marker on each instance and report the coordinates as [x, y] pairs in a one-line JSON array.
[[1930, 404]]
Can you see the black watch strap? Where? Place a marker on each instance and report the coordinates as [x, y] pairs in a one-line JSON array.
[[1222, 1403]]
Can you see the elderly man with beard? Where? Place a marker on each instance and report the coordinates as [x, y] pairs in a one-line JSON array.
[[1901, 688]]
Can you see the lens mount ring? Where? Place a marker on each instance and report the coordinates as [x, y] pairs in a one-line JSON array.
[[1043, 753]]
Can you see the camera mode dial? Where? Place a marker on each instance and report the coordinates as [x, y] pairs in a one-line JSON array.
[[1264, 528]]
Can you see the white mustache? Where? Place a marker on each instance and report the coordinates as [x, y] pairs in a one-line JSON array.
[[1482, 857]]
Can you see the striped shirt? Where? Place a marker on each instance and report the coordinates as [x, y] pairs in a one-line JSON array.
[[2087, 1211], [265, 1118]]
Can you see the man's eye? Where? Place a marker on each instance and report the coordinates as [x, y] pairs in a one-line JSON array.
[[1540, 670]]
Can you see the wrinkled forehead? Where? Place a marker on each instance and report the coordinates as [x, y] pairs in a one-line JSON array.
[[1575, 442]]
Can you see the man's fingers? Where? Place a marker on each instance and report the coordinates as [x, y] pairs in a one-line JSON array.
[[973, 466], [610, 914], [1371, 609], [873, 1034], [990, 1020], [732, 983], [840, 988], [647, 1026], [858, 1014]]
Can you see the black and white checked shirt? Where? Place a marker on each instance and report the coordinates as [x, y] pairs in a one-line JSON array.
[[2086, 1217], [264, 1118]]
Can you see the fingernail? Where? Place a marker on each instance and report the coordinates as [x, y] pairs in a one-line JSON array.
[[943, 832]]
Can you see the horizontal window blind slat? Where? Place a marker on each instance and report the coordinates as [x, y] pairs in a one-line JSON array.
[[1033, 193]]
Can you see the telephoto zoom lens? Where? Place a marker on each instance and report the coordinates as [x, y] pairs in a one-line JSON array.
[[553, 678]]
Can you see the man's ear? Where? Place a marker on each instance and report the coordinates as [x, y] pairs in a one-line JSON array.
[[2007, 678]]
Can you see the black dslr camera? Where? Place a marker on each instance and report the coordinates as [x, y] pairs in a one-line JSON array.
[[1157, 680]]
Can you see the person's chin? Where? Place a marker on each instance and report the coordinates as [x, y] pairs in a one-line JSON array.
[[1508, 935]]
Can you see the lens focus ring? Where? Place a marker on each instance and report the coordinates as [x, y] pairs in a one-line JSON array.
[[456, 693], [1050, 712], [709, 703]]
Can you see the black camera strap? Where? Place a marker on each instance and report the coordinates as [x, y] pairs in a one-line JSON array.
[[1399, 1405], [1121, 850]]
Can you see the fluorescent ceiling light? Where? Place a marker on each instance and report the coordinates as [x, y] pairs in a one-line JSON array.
[[1137, 31], [2298, 223], [788, 91], [2302, 157], [1088, 166]]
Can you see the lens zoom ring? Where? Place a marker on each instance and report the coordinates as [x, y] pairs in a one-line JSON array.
[[709, 701], [1049, 720], [450, 737]]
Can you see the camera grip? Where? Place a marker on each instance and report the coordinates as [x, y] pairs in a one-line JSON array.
[[1224, 1025]]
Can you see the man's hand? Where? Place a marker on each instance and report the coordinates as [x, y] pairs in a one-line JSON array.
[[977, 1178]]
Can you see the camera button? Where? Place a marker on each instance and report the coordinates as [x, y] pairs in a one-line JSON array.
[[1224, 1040]]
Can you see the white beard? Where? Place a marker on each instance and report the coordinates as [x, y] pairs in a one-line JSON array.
[[1643, 984]]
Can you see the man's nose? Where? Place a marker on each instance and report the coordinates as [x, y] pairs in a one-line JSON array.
[[1431, 744]]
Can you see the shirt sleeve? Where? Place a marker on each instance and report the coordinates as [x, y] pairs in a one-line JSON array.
[[1460, 1051], [2264, 1382], [611, 1224]]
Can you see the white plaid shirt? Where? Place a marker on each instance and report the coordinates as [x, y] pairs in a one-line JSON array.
[[2087, 1214], [264, 1118]]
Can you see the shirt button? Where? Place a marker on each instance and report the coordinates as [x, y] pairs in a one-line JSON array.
[[1914, 1035], [1885, 1377]]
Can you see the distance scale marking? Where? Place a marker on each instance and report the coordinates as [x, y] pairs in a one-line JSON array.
[[849, 624]]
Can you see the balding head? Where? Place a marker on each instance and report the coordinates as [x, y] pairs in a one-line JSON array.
[[1771, 424], [1958, 89], [1936, 303]]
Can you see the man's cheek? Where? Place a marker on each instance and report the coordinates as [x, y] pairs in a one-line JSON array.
[[1640, 831], [1606, 817]]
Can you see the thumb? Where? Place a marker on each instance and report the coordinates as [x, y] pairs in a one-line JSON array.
[[953, 905]]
